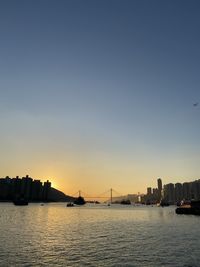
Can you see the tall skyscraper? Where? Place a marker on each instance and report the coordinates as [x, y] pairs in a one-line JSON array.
[[159, 181]]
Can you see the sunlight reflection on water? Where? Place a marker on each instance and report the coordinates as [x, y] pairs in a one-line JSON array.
[[97, 235]]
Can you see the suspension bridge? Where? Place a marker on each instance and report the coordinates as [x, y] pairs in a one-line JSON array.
[[106, 196]]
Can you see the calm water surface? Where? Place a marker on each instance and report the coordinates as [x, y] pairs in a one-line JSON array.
[[97, 235]]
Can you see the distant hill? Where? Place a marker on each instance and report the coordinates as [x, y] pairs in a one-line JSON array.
[[130, 197], [57, 196]]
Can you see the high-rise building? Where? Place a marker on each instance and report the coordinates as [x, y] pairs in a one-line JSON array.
[[195, 190], [46, 190], [159, 181], [26, 187], [4, 189], [16, 187], [155, 195], [169, 193], [36, 192], [186, 191], [178, 192]]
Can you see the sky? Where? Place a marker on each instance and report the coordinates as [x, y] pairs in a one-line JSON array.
[[97, 94]]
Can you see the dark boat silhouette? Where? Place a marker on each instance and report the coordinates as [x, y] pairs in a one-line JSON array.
[[193, 208], [20, 202], [79, 201], [70, 204]]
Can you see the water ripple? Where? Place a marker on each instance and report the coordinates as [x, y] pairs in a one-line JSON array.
[[53, 235]]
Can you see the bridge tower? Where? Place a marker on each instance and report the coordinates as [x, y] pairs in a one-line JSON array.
[[111, 192]]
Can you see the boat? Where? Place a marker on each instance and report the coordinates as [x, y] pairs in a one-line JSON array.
[[70, 204], [79, 201], [20, 202], [193, 208]]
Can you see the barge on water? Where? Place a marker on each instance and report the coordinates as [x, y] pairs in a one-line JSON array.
[[192, 208]]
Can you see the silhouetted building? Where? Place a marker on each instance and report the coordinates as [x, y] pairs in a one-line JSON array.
[[36, 193], [169, 193], [16, 187], [29, 190], [4, 189], [186, 191], [149, 191], [178, 192], [159, 181], [46, 190], [173, 194], [26, 187], [155, 195], [195, 190]]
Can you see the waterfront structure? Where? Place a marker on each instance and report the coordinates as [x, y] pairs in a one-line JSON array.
[[25, 187], [153, 195], [172, 193]]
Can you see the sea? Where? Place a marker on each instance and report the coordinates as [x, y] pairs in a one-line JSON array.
[[97, 235]]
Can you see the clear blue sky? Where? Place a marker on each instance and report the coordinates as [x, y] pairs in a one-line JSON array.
[[95, 94]]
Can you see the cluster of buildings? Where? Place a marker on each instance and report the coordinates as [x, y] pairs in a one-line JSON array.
[[25, 187], [154, 195], [172, 193]]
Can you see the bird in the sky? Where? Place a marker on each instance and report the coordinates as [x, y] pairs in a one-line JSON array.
[[196, 104]]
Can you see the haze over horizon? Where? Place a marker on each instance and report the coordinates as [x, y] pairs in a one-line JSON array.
[[100, 94]]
